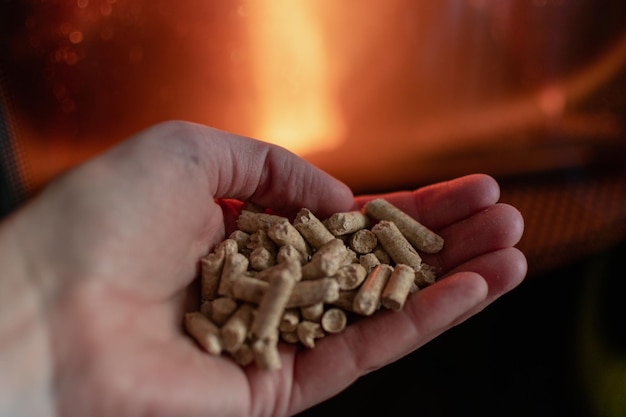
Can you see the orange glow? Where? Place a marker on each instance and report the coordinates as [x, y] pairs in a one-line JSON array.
[[295, 105]]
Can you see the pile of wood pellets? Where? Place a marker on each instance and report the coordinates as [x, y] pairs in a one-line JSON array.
[[274, 281]]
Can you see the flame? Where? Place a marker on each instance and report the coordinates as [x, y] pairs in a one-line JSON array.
[[295, 101]]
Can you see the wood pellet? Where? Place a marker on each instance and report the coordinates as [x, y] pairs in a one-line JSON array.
[[276, 281]]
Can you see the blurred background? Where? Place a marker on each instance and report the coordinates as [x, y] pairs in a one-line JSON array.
[[385, 95]]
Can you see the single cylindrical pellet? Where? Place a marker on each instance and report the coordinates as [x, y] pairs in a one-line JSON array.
[[260, 239], [334, 320], [396, 245], [205, 332], [288, 253], [211, 270], [419, 235], [221, 309], [312, 229], [272, 305], [265, 353], [367, 299], [235, 265], [230, 246], [242, 238], [249, 289], [235, 330], [251, 222], [326, 260], [308, 331], [363, 241], [290, 319], [290, 337], [425, 276], [261, 258], [350, 276], [314, 312], [340, 224], [345, 300], [369, 261], [398, 287], [305, 293], [381, 254], [284, 233], [244, 355]]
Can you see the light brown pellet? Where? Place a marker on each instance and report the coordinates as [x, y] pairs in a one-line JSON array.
[[251, 222], [261, 259], [398, 287], [235, 330], [284, 233], [334, 320], [381, 254], [260, 239], [249, 289], [230, 246], [367, 299], [363, 241], [305, 293], [345, 300], [205, 332], [221, 309], [340, 224], [244, 355], [242, 238], [396, 245], [252, 290], [419, 235], [265, 353], [312, 229], [369, 261], [350, 276], [290, 337], [290, 319], [211, 270], [425, 276], [308, 331], [327, 260], [288, 253], [272, 305], [314, 312], [235, 265]]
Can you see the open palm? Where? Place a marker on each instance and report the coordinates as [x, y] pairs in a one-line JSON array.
[[116, 252]]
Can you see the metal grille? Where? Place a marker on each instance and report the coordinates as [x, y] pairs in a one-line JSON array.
[[569, 218]]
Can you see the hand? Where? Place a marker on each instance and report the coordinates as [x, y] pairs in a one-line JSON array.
[[110, 251]]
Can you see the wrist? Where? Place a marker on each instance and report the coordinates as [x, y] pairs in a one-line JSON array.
[[25, 353]]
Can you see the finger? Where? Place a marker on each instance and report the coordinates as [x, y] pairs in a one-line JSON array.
[[378, 340], [246, 169], [502, 270], [441, 204], [496, 227]]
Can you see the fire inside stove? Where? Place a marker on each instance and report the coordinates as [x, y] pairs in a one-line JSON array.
[[380, 94]]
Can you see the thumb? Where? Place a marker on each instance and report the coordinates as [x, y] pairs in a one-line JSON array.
[[249, 170]]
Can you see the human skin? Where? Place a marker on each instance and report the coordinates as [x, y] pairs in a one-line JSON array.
[[99, 267]]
